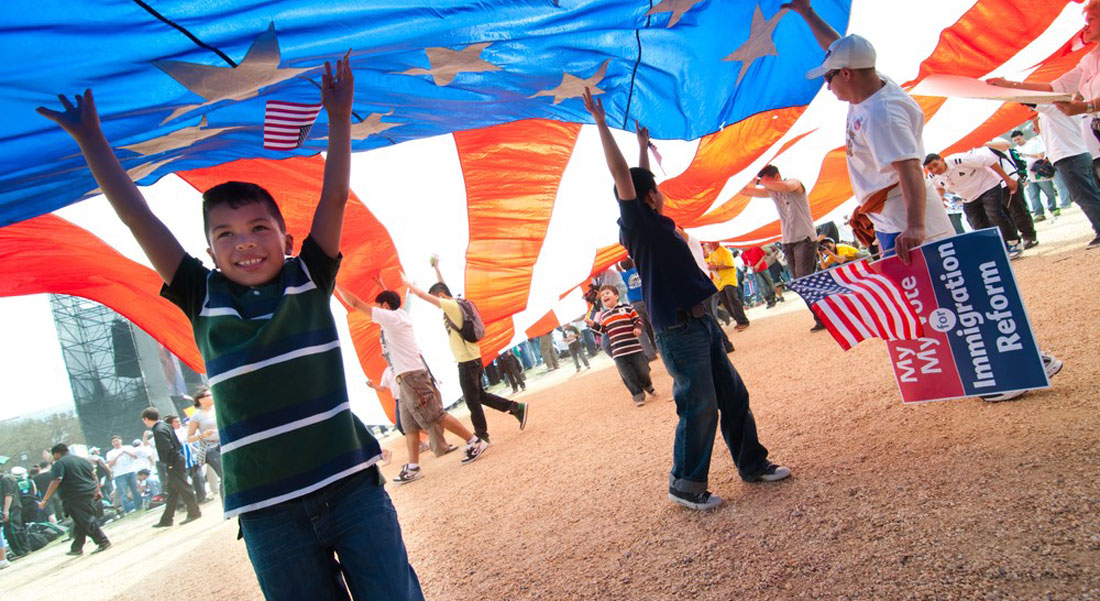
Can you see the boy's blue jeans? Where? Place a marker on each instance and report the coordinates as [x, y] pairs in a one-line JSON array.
[[307, 548], [709, 393]]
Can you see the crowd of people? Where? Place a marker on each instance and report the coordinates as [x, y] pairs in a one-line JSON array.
[[263, 323], [129, 478]]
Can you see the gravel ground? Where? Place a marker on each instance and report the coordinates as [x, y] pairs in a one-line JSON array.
[[954, 500]]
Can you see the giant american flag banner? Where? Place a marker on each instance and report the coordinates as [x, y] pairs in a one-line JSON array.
[[471, 141]]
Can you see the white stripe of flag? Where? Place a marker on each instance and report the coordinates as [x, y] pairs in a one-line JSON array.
[[287, 124]]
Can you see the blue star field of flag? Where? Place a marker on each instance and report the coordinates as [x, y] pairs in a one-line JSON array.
[[182, 85], [817, 286]]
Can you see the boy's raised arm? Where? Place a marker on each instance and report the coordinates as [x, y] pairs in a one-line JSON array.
[[82, 123], [643, 146], [337, 96], [418, 292], [354, 301], [620, 171]]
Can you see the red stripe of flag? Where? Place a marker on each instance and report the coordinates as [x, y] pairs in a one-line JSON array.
[[871, 302]]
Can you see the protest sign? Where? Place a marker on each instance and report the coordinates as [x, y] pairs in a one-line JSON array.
[[977, 336]]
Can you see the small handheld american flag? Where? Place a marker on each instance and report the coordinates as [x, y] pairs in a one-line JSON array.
[[287, 124], [855, 303]]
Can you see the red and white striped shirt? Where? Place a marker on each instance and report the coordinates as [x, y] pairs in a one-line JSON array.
[[618, 324]]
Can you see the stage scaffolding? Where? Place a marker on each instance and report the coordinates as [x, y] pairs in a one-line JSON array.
[[114, 370]]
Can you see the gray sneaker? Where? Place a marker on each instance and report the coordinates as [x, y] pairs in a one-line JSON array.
[[699, 501], [772, 473]]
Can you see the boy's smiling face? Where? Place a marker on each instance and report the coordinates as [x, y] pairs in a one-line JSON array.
[[246, 243], [609, 298]]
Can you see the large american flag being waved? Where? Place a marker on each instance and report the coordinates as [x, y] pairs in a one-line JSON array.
[[855, 302]]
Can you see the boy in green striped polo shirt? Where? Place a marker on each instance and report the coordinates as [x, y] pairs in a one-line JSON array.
[[299, 466]]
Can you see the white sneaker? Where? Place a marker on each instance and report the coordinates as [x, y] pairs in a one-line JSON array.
[[1051, 364], [475, 450], [5, 564], [1014, 252], [408, 474]]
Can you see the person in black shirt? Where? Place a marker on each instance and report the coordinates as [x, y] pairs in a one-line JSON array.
[[42, 481], [11, 514], [708, 391], [170, 452], [75, 482]]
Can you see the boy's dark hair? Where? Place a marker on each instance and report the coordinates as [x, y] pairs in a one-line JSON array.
[[168, 418], [236, 195], [60, 449], [114, 436], [143, 472], [627, 263], [932, 157], [34, 471], [768, 171], [611, 288], [439, 287], [150, 413], [44, 465], [1015, 133], [389, 298], [644, 183]]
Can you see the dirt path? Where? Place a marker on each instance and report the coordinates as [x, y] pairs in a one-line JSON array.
[[955, 500]]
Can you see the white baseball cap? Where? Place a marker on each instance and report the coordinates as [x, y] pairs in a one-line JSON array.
[[849, 52]]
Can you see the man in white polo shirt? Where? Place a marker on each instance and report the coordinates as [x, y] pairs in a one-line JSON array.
[[884, 144], [976, 176]]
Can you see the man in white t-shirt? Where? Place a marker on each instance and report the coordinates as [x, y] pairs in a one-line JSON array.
[[121, 461], [976, 176], [1072, 160], [884, 144], [1039, 182], [420, 403]]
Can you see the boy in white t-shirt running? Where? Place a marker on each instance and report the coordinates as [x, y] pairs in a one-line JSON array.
[[420, 404]]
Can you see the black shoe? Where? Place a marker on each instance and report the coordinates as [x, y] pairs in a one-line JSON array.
[[1030, 243], [1094, 244], [71, 553], [163, 525], [817, 327], [191, 518], [521, 415], [729, 348], [102, 548]]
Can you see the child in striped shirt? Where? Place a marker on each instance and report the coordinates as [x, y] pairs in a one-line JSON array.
[[623, 326], [299, 465]]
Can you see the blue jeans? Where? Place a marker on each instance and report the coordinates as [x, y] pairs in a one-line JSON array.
[[128, 482], [1080, 181], [1063, 194], [1035, 191], [346, 532], [709, 393]]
